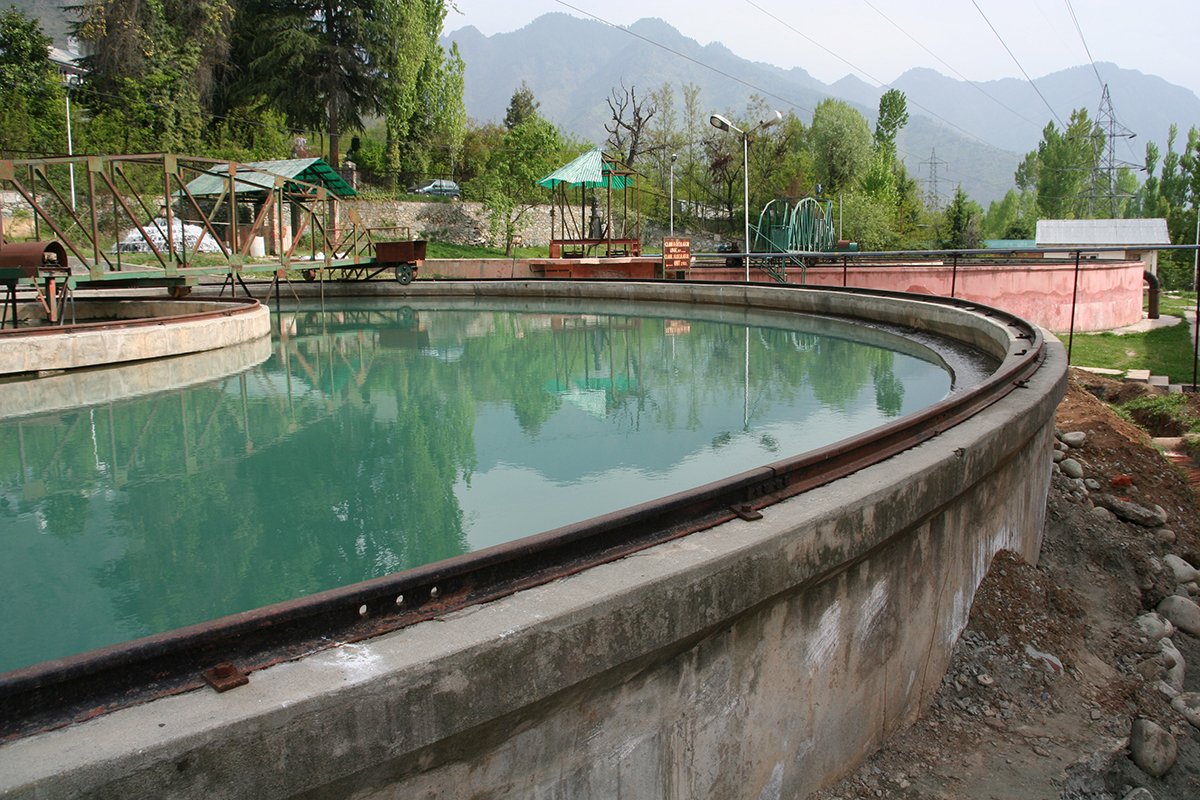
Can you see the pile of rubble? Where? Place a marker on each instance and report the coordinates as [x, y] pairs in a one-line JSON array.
[[1072, 677]]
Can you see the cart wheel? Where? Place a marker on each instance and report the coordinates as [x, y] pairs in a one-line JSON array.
[[179, 292], [309, 274], [404, 273]]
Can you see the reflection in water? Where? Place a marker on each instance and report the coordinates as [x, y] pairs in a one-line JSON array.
[[372, 441]]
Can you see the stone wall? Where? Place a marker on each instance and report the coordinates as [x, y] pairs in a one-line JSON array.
[[466, 223], [16, 216]]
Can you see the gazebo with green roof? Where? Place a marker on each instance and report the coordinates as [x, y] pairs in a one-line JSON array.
[[613, 231]]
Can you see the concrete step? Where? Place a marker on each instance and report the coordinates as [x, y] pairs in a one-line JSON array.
[[1138, 375], [1159, 380], [1105, 371]]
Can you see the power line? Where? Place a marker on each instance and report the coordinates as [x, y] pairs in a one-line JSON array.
[[765, 91], [974, 85], [697, 62], [1086, 49], [1018, 63], [931, 112], [1103, 85]]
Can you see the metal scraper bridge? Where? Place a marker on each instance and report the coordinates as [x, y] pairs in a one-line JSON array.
[[184, 218]]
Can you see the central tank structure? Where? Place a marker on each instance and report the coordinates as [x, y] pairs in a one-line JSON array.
[[753, 636]]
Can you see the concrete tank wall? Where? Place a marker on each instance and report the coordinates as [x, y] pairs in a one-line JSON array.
[[1109, 293], [757, 659], [211, 325]]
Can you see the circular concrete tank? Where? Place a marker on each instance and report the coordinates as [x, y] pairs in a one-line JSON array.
[[121, 330], [764, 656]]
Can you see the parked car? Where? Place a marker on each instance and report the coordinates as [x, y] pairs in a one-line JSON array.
[[438, 188]]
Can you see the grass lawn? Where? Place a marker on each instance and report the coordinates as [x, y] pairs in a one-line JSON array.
[[1174, 303], [1163, 351]]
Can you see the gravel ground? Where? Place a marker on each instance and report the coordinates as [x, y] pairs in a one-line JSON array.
[[1052, 672]]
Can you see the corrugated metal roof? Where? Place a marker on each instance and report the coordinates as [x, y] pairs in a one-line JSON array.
[[260, 175], [590, 169], [1122, 232]]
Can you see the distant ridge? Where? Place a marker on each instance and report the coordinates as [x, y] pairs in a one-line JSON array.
[[571, 65]]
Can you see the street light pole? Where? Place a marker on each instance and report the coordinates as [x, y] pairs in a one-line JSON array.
[[673, 157], [721, 123], [71, 81], [746, 200]]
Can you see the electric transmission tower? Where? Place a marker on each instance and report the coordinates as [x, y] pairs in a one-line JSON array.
[[1103, 194], [931, 184]]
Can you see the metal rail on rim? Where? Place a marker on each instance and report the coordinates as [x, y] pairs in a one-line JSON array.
[[74, 688]]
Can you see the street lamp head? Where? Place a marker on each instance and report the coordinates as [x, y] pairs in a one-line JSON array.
[[720, 123], [771, 118], [673, 157]]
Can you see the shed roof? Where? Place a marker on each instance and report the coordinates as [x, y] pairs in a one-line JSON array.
[[1121, 232], [260, 176]]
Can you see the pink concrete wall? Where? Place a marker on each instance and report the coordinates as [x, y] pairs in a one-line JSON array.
[[1109, 294]]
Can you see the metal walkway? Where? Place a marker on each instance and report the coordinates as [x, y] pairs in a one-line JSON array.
[[189, 217]]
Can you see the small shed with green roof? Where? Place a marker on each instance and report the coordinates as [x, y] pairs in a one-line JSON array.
[[295, 175], [615, 229]]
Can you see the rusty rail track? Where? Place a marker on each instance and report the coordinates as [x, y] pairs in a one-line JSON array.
[[75, 688]]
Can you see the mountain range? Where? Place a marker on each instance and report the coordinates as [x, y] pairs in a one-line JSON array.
[[979, 131]]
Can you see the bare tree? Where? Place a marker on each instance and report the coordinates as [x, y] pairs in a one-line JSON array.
[[629, 119]]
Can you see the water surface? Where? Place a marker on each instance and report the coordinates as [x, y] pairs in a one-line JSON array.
[[381, 437]]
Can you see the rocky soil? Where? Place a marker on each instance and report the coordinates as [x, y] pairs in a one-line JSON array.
[[1067, 682]]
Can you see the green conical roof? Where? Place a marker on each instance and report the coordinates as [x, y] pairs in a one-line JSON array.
[[590, 169]]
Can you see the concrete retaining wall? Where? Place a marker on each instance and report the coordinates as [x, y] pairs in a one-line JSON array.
[[464, 223], [754, 660], [212, 325]]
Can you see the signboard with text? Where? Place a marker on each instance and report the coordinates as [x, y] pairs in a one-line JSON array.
[[677, 254]]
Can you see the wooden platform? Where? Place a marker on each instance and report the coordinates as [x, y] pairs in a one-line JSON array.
[[591, 268]]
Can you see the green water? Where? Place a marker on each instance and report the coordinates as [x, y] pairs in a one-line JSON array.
[[381, 438]]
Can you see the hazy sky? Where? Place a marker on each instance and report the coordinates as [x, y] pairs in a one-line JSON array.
[[1156, 37]]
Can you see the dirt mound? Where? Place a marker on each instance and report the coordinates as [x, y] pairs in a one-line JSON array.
[[1051, 671]]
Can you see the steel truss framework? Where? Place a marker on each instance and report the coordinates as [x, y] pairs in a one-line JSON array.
[[149, 193]]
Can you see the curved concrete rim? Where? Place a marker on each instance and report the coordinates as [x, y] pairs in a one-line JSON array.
[[754, 656], [132, 329]]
